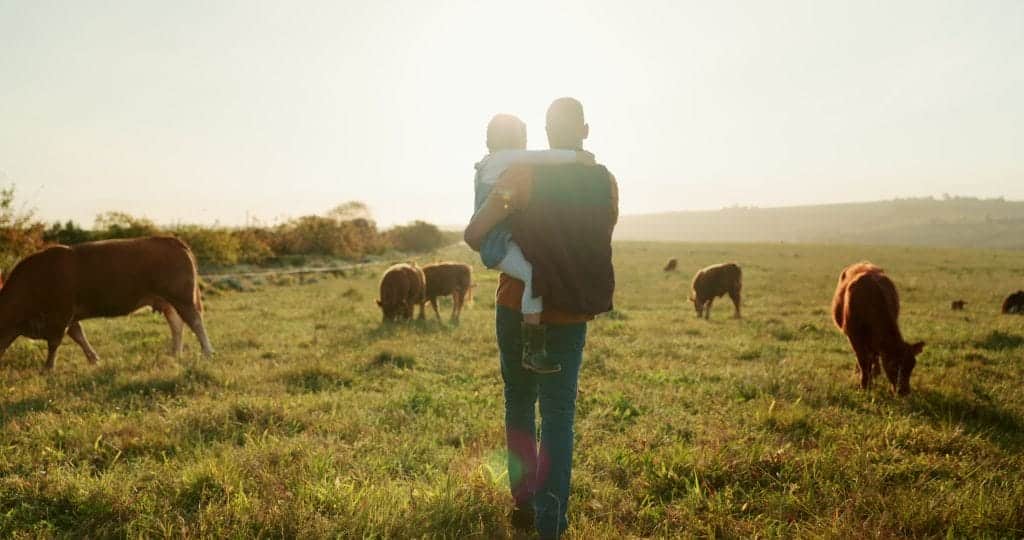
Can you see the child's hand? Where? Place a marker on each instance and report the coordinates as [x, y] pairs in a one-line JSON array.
[[585, 158]]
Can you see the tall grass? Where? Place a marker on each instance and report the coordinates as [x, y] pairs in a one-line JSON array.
[[315, 421]]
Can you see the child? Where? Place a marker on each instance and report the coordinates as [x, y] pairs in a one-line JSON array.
[[506, 143]]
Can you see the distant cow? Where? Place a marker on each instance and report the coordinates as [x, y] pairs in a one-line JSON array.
[[401, 289], [1014, 303], [866, 308], [715, 281], [449, 279], [671, 265], [957, 305], [49, 292]]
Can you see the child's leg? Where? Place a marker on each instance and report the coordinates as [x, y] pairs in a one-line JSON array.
[[535, 356], [516, 265]]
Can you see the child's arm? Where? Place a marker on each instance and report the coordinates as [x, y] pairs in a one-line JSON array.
[[504, 158]]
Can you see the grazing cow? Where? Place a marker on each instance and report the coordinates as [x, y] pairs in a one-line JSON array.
[[671, 265], [715, 281], [957, 305], [1014, 303], [51, 291], [449, 278], [401, 290], [866, 308]]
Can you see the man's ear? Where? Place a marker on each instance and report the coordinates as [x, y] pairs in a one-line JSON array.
[[586, 131], [916, 348]]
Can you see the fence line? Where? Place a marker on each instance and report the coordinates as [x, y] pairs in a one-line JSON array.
[[299, 271]]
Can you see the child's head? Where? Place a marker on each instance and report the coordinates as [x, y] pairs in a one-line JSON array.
[[506, 132]]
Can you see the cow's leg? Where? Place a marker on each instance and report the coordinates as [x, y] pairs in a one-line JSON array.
[[735, 297], [77, 334], [707, 309], [865, 360], [52, 344], [433, 304], [177, 325], [194, 320], [458, 299]]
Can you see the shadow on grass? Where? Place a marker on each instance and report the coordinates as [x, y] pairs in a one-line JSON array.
[[16, 409], [188, 379], [998, 425], [1000, 341], [315, 379], [399, 361], [427, 326]]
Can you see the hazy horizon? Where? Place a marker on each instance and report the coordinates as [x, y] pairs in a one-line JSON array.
[[202, 112]]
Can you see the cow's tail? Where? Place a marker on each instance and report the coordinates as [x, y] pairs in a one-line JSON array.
[[197, 297], [197, 294]]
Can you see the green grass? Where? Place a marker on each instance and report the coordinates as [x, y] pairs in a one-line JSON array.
[[314, 421]]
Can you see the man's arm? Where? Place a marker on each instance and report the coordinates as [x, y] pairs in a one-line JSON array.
[[491, 213], [510, 192]]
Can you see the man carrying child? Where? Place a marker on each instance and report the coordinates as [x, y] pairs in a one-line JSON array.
[[556, 213]]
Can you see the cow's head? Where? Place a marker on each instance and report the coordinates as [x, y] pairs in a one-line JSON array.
[[898, 368], [394, 311], [698, 304]]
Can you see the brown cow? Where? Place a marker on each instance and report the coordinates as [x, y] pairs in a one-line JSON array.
[[449, 278], [1014, 303], [401, 290], [49, 292], [715, 281], [670, 266], [957, 305], [866, 308]]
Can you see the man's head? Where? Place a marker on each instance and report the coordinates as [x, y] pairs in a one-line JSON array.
[[565, 124], [506, 132]]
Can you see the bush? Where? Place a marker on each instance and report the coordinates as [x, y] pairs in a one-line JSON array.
[[69, 233], [213, 247], [316, 235], [122, 225], [20, 235], [253, 245], [418, 236]]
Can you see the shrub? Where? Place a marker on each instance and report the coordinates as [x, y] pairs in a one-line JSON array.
[[253, 245], [122, 225], [20, 235], [213, 247], [417, 236], [69, 233]]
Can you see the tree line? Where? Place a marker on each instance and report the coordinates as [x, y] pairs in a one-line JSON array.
[[346, 232]]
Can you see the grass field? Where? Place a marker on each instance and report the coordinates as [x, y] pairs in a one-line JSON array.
[[314, 421]]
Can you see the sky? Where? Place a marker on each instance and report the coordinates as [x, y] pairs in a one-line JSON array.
[[234, 112]]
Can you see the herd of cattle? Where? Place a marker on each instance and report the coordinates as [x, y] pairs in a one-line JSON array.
[[49, 292]]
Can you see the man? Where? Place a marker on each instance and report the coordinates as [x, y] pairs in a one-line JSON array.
[[562, 217]]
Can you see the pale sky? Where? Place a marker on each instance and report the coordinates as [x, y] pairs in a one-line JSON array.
[[204, 111]]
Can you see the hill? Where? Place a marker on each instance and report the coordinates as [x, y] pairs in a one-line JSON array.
[[949, 222]]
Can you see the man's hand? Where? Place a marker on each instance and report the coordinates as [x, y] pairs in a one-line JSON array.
[[585, 158]]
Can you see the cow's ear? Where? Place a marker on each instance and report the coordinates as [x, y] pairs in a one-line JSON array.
[[916, 348], [379, 303]]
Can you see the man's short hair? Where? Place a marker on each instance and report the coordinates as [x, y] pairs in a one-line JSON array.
[[506, 132], [565, 113]]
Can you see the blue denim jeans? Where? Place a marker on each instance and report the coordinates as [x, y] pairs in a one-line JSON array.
[[540, 477]]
